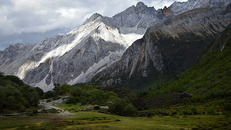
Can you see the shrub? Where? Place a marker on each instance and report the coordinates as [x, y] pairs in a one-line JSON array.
[[145, 107], [72, 100], [83, 102], [49, 94], [40, 92], [96, 107], [76, 92], [65, 88], [173, 113], [121, 107], [185, 112], [227, 107], [35, 111], [193, 110], [15, 80], [52, 110], [129, 110], [117, 106], [49, 100], [211, 111], [22, 108]]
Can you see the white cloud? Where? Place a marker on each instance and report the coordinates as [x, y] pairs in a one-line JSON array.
[[158, 4], [18, 16]]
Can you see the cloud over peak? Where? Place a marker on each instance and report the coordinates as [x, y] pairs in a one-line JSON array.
[[41, 16]]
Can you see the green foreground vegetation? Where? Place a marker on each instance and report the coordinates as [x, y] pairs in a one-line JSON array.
[[93, 95], [121, 113], [95, 120], [15, 96]]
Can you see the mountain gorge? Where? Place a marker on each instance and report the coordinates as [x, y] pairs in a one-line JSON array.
[[168, 40]]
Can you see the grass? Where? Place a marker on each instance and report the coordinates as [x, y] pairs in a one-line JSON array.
[[95, 120], [20, 122]]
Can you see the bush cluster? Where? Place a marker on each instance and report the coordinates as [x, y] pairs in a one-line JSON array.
[[17, 96], [93, 94], [120, 107]]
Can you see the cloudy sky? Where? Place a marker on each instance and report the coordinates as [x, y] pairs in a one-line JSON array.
[[26, 17]]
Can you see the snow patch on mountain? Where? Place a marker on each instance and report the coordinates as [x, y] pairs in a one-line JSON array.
[[130, 38]]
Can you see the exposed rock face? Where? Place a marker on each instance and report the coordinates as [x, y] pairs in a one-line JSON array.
[[166, 11], [78, 55], [181, 7], [137, 18], [12, 54], [167, 47]]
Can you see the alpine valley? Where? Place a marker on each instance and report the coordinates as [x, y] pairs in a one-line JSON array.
[[139, 69], [138, 44]]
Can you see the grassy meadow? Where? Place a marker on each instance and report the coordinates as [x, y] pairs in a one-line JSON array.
[[95, 120]]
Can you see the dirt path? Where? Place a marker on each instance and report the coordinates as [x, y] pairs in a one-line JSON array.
[[49, 105]]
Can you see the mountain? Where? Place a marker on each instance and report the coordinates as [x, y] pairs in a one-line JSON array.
[[100, 41], [137, 19], [29, 37], [166, 48], [207, 80], [78, 55]]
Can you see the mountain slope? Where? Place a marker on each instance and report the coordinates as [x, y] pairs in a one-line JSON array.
[[210, 77], [166, 48]]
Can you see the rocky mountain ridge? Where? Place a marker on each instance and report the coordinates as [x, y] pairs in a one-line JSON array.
[[181, 7]]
